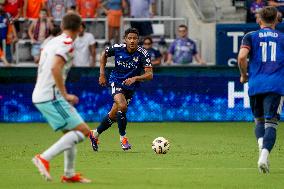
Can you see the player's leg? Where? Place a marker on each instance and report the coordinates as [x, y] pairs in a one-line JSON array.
[[272, 109], [69, 160], [106, 123], [61, 116], [121, 103], [256, 104]]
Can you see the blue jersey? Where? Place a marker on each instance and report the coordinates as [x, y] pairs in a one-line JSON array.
[[127, 64], [266, 64]]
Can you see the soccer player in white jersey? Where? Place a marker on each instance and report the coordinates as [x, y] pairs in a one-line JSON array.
[[56, 104]]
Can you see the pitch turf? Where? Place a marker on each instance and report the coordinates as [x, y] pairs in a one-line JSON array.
[[202, 155]]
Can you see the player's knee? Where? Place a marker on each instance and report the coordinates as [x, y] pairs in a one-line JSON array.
[[84, 128], [122, 107], [259, 120], [112, 115]]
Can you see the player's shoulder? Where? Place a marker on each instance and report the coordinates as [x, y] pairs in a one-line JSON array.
[[63, 39], [142, 51], [116, 47], [251, 33], [119, 46]]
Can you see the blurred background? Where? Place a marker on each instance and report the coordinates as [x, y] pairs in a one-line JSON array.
[[193, 45]]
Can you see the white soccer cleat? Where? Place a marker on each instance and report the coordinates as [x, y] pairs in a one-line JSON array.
[[43, 167], [263, 167]]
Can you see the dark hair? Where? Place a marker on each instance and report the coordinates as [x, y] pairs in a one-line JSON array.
[[55, 30], [183, 26], [83, 24], [148, 38], [131, 30], [268, 14], [71, 21]]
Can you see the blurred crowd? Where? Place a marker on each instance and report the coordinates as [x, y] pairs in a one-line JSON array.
[[39, 21], [254, 6]]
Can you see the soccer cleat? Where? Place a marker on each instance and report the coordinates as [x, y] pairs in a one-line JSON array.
[[94, 141], [77, 178], [43, 167], [125, 144], [263, 167]]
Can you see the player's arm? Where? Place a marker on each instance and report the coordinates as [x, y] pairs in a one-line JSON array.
[[93, 52], [199, 59], [148, 75], [56, 71], [103, 61], [243, 55], [243, 64]]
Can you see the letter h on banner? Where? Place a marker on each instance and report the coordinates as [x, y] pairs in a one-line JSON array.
[[232, 95]]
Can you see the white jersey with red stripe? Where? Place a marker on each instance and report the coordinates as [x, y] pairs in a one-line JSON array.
[[45, 88]]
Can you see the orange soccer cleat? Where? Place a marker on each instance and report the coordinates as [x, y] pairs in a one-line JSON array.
[[76, 178], [43, 167]]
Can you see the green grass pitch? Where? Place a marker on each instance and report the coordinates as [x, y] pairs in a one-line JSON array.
[[202, 155]]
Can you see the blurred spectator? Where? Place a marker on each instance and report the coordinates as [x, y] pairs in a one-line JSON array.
[[85, 49], [163, 48], [5, 21], [11, 39], [255, 6], [58, 8], [114, 11], [155, 55], [142, 9], [55, 31], [279, 4], [87, 8], [32, 8], [39, 30], [183, 49], [3, 58], [14, 8]]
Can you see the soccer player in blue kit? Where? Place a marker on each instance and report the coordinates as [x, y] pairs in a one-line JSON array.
[[130, 62], [265, 48]]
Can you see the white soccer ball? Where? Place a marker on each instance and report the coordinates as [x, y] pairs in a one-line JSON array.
[[160, 145]]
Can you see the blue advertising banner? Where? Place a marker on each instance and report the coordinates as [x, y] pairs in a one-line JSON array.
[[175, 94], [228, 40]]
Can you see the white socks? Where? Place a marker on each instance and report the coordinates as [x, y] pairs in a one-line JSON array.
[[69, 161], [121, 137], [263, 158], [96, 134], [67, 141], [260, 144]]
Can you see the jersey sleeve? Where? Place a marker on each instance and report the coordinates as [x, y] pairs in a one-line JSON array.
[[91, 40], [146, 60], [157, 53], [65, 49], [110, 51], [246, 41], [172, 48], [194, 49]]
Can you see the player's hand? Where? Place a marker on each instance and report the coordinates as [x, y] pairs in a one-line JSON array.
[[102, 80], [129, 81], [73, 99], [244, 78]]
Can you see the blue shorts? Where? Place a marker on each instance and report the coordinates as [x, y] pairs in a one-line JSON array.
[[267, 105], [117, 89], [36, 49], [60, 114]]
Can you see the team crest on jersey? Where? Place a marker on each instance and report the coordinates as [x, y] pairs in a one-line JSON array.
[[135, 59]]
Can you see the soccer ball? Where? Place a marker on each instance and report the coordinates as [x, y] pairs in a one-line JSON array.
[[160, 145]]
